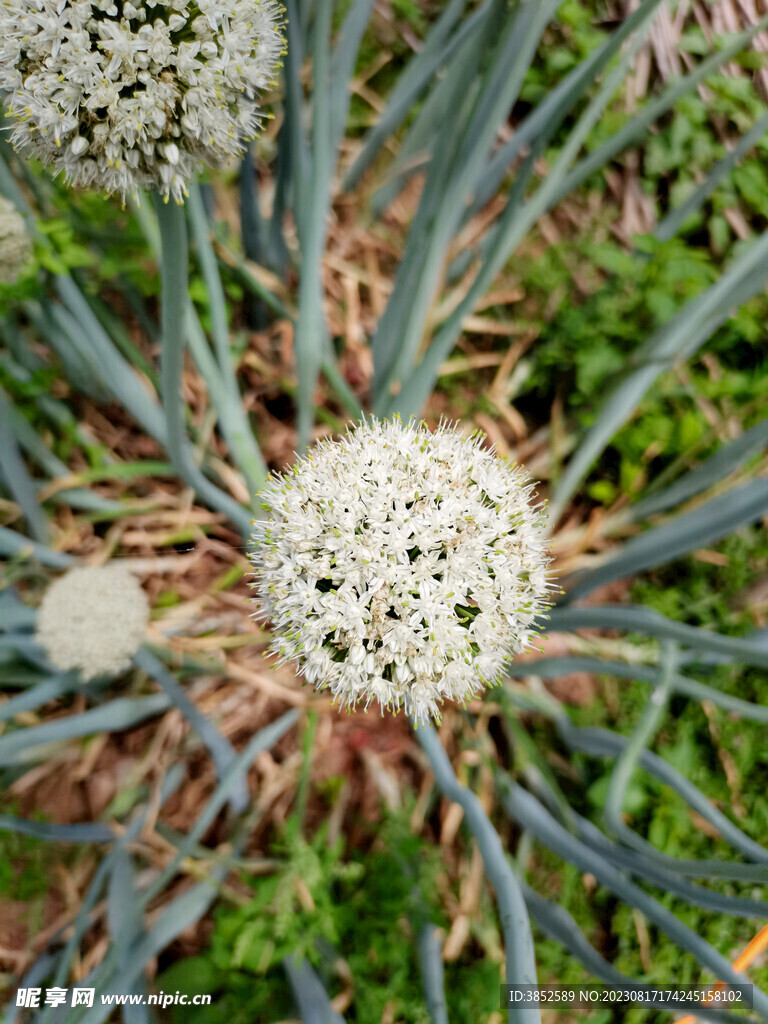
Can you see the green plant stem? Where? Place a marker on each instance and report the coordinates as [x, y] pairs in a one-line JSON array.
[[310, 995], [550, 668], [431, 963], [17, 479], [310, 327], [646, 727], [308, 748], [521, 963], [221, 750], [175, 275], [604, 743], [528, 812], [13, 544], [635, 618], [229, 407], [558, 925]]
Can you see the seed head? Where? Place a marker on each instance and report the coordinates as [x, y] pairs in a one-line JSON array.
[[401, 566]]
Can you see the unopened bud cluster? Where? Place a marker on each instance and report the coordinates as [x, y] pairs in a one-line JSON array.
[[93, 620], [15, 243]]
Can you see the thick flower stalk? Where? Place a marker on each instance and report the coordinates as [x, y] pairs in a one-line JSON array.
[[15, 243], [120, 95], [401, 566], [93, 620]]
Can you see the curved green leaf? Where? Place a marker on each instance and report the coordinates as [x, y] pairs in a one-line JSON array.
[[675, 341], [661, 544], [551, 668], [25, 745], [557, 924], [526, 810], [637, 619]]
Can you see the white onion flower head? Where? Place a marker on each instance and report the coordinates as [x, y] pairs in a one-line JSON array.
[[120, 94], [401, 566], [93, 620], [15, 243]]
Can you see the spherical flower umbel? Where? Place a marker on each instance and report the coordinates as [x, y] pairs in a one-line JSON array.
[[15, 243], [120, 94], [401, 566], [93, 620]]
